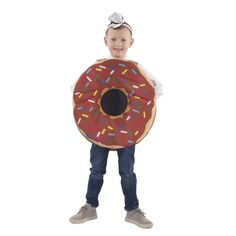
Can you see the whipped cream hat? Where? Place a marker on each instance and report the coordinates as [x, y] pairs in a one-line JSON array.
[[117, 20]]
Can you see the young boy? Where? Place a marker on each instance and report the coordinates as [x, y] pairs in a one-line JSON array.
[[118, 39]]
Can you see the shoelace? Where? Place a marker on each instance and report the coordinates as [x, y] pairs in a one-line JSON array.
[[141, 212], [82, 208]]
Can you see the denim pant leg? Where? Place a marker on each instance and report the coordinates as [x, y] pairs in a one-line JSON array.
[[128, 177], [98, 161]]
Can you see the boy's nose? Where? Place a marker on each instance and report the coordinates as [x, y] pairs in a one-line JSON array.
[[118, 43]]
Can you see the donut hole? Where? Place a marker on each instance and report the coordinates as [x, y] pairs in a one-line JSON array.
[[114, 102]]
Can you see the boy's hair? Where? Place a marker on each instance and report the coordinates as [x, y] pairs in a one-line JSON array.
[[120, 27]]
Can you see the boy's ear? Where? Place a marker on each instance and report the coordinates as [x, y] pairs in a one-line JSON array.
[[131, 43], [105, 41]]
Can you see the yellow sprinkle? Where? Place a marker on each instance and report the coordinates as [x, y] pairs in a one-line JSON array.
[[95, 93], [98, 69], [84, 115], [142, 85], [124, 71], [136, 133], [80, 95], [137, 97], [109, 127], [144, 114], [103, 131]]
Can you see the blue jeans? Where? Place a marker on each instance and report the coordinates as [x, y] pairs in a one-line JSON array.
[[98, 161]]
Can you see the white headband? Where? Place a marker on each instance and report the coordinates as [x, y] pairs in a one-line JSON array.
[[117, 20]]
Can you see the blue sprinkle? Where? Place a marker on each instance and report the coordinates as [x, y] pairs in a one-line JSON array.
[[134, 71], [123, 65], [107, 80], [134, 110]]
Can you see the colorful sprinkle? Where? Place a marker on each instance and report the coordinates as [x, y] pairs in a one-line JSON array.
[[136, 97], [112, 72], [103, 67], [92, 101], [107, 80], [135, 86], [103, 131], [88, 79], [98, 69], [123, 65], [134, 110], [130, 141], [136, 132], [80, 95], [124, 71], [144, 114], [149, 103], [77, 93], [142, 85], [134, 71], [98, 134], [87, 84], [84, 115], [79, 121], [124, 132], [128, 118], [90, 109], [95, 93], [111, 134], [109, 127], [79, 108]]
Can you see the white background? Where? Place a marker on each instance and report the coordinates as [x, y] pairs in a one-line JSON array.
[[186, 164]]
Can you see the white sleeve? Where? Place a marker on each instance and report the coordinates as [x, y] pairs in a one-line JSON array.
[[156, 83]]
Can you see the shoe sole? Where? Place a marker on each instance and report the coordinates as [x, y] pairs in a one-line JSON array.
[[139, 225], [84, 220]]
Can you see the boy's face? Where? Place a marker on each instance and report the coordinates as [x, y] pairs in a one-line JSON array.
[[118, 42]]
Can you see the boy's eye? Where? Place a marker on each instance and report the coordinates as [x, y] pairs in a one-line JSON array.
[[123, 40], [113, 40]]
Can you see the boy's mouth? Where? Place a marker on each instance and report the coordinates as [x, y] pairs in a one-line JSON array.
[[118, 49]]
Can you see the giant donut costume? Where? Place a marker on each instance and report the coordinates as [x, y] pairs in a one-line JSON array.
[[114, 103]]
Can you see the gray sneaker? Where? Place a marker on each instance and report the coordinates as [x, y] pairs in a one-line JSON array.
[[138, 218], [86, 213]]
